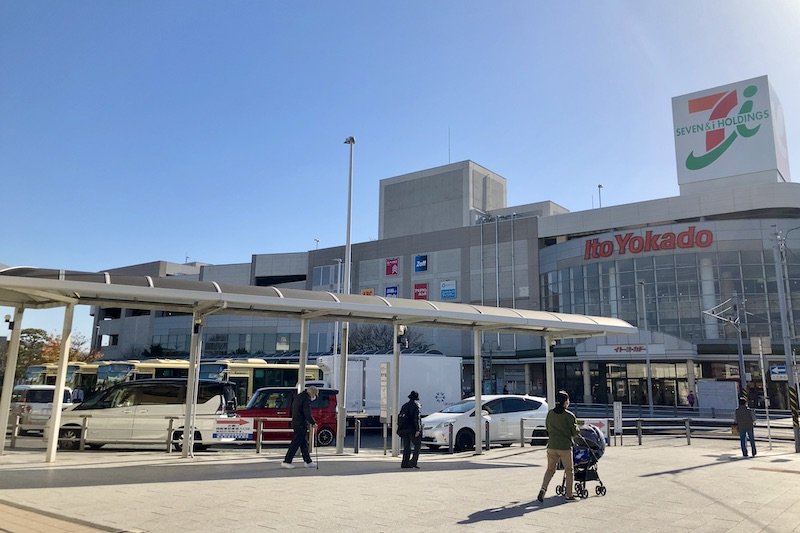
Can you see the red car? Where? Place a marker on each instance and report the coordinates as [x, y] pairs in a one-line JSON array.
[[276, 402]]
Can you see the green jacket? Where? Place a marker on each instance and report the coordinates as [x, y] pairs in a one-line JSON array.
[[561, 427]]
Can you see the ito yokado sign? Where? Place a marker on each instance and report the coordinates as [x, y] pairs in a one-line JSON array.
[[728, 131]]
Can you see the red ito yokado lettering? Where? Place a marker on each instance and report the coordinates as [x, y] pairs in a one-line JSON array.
[[630, 243]]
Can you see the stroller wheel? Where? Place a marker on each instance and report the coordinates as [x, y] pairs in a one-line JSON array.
[[598, 490], [602, 491], [584, 493], [559, 490]]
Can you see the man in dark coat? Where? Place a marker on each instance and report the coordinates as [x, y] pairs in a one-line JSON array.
[[301, 419], [409, 428]]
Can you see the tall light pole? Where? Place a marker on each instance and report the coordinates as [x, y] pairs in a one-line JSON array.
[[780, 257], [341, 419], [718, 312], [648, 369], [599, 195]]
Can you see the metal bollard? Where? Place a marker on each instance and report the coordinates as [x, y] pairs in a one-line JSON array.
[[169, 435], [488, 437], [357, 436], [450, 444], [15, 432], [688, 431], [639, 430], [84, 429], [522, 433], [258, 426]]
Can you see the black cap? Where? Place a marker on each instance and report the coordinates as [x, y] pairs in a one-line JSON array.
[[413, 395]]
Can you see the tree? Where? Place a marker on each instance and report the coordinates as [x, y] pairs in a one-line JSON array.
[[52, 350], [37, 347], [31, 343], [378, 337]]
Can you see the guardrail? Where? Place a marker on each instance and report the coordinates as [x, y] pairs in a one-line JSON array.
[[675, 426]]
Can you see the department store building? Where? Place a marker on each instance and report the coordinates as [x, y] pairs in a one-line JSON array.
[[448, 234]]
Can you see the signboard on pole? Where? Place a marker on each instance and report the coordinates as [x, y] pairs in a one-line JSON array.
[[778, 373], [384, 391], [617, 418]]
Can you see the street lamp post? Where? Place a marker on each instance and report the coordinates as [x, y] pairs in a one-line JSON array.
[[780, 257], [341, 419], [599, 195], [648, 369]]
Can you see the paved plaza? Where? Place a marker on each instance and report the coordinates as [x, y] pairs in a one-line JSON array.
[[663, 485]]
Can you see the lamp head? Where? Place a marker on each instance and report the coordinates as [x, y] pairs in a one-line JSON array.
[[350, 140]]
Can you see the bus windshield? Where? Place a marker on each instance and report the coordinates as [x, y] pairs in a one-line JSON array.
[[113, 373], [215, 371], [35, 375]]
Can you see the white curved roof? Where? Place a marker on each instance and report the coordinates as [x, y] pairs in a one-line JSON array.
[[44, 288]]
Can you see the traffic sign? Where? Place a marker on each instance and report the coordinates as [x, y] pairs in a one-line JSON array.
[[778, 373]]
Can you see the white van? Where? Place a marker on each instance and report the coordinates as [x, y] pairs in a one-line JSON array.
[[137, 412], [34, 405]]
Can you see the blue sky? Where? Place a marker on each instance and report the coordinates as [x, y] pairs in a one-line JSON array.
[[141, 131]]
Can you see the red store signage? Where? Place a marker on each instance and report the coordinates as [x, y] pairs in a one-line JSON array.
[[629, 243], [420, 291], [392, 266]]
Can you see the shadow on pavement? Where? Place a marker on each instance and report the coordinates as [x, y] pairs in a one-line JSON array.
[[177, 471]]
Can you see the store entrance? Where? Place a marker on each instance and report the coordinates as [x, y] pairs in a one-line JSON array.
[[627, 383]]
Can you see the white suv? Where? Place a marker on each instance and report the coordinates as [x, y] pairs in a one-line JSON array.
[[503, 412]]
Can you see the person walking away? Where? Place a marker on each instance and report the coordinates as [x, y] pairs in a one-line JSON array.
[[690, 398], [301, 420], [561, 426], [409, 428], [745, 419]]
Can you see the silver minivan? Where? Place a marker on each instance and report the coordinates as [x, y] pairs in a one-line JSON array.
[[138, 412], [34, 405]]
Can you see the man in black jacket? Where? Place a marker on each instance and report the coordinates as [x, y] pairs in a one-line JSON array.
[[301, 418], [409, 427]]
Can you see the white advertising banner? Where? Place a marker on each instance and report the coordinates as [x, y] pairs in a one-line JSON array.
[[726, 131]]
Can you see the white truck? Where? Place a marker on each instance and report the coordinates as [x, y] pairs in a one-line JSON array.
[[437, 379]]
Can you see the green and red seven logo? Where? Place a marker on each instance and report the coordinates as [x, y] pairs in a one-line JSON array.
[[721, 106]]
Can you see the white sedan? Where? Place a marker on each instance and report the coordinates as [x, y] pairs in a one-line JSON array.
[[503, 411]]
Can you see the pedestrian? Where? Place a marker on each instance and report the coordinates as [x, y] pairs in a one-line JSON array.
[[690, 398], [561, 426], [409, 428], [301, 420], [745, 420]]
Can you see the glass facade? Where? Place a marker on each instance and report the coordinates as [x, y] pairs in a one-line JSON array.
[[677, 289]]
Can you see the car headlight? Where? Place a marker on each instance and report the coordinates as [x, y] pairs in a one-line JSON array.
[[443, 424]]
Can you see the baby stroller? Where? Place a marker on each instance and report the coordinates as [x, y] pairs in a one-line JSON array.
[[588, 447]]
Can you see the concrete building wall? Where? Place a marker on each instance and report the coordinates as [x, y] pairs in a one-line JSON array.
[[436, 199]]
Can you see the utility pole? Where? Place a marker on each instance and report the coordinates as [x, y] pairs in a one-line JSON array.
[[780, 258]]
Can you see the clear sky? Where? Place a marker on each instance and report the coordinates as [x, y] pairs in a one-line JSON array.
[[148, 130]]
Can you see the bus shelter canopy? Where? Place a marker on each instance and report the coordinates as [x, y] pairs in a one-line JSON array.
[[35, 288]]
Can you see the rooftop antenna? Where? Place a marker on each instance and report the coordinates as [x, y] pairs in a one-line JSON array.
[[599, 195], [316, 245], [186, 259]]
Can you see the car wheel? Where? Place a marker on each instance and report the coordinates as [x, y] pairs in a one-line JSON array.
[[539, 436], [325, 437], [177, 441], [71, 438], [465, 440]]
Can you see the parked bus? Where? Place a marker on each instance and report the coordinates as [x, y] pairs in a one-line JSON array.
[[249, 375], [112, 372], [80, 376]]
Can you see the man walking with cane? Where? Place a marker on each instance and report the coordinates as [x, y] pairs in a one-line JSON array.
[[301, 419]]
